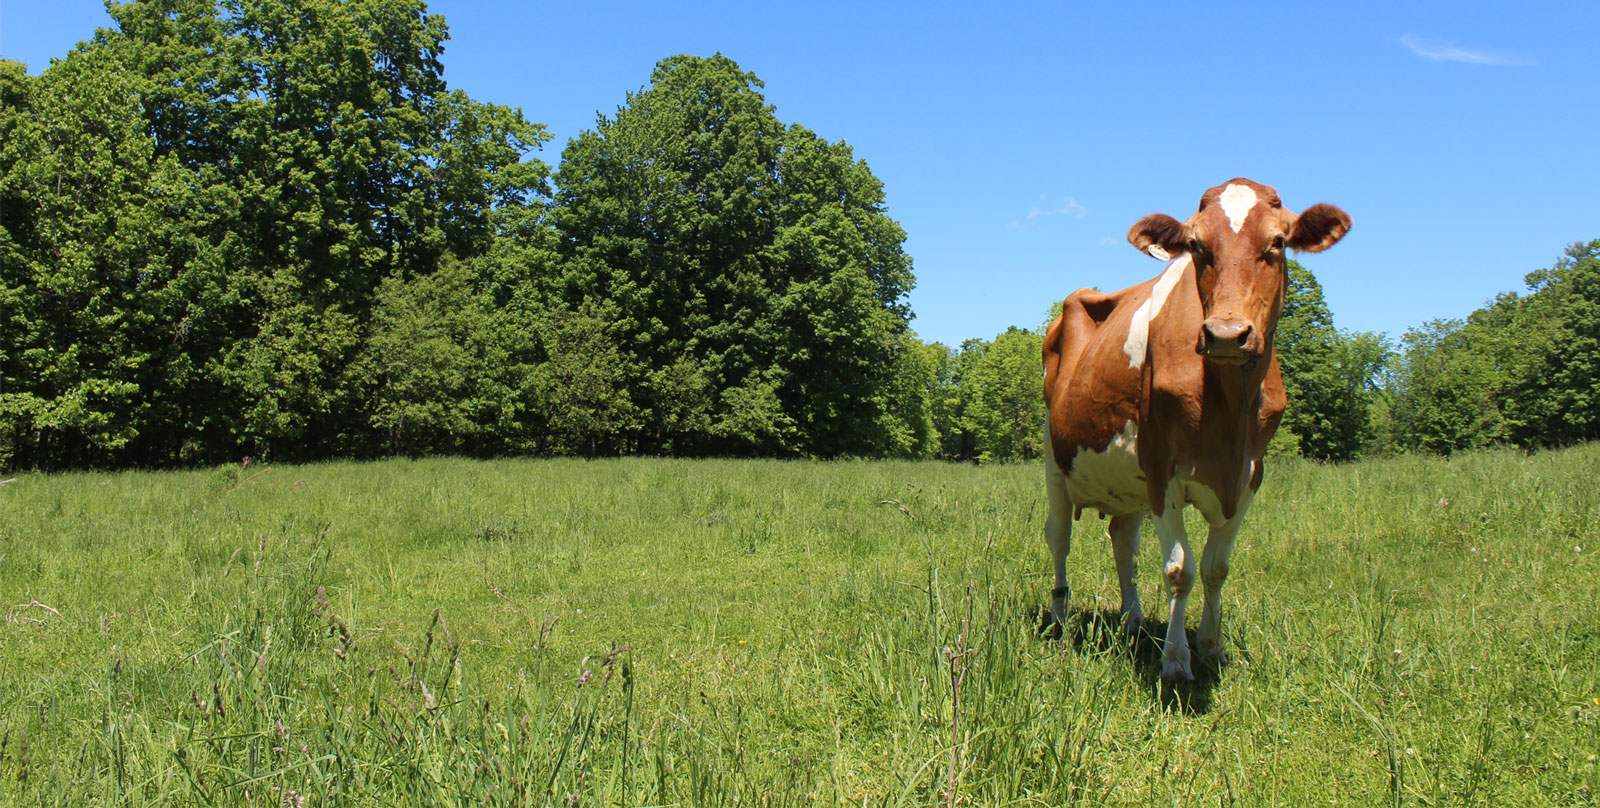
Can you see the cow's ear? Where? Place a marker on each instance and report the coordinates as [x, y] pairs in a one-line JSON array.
[[1318, 228], [1159, 235]]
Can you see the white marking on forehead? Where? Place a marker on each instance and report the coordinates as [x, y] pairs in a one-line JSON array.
[[1139, 329], [1237, 202]]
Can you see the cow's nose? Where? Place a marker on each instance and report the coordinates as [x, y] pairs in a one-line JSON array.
[[1224, 337]]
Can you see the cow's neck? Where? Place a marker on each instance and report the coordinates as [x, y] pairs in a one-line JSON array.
[[1240, 388]]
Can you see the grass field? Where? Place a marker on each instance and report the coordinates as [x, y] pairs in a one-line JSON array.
[[664, 632]]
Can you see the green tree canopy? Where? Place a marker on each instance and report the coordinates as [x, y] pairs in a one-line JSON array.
[[1522, 370], [202, 204], [1445, 389], [1005, 409], [1552, 351], [987, 399], [747, 271], [1331, 376]]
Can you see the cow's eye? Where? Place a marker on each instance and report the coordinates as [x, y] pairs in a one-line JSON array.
[[1195, 246], [1278, 242]]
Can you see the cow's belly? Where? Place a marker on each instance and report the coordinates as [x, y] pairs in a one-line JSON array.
[[1110, 481]]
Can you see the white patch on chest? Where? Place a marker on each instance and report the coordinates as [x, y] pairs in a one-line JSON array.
[[1110, 481], [1139, 328], [1237, 202]]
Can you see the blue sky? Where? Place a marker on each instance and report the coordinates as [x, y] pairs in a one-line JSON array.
[[1018, 143]]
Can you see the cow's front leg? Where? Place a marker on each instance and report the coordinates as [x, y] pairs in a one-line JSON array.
[[1213, 573], [1058, 534], [1124, 547], [1178, 573]]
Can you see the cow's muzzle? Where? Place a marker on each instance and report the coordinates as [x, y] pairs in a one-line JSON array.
[[1230, 340]]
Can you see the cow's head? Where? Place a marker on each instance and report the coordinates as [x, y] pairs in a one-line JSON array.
[[1238, 241]]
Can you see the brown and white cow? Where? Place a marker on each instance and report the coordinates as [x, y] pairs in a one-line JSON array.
[[1165, 394]]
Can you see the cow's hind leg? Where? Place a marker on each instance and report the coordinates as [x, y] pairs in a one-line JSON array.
[[1178, 572], [1124, 547], [1058, 534], [1213, 573]]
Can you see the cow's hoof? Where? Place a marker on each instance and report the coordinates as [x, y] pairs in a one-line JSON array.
[[1132, 624], [1211, 651], [1050, 627], [1176, 669]]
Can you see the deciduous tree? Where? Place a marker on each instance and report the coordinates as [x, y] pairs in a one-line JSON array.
[[1331, 376], [743, 267], [1552, 345]]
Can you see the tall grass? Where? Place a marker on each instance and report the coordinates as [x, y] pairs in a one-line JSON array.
[[661, 632]]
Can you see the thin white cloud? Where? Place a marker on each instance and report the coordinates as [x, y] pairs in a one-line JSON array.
[[1440, 51], [1067, 207]]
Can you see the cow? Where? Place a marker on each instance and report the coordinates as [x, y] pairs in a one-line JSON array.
[[1165, 395]]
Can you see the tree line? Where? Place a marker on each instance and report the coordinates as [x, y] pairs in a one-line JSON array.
[[1523, 370], [269, 229]]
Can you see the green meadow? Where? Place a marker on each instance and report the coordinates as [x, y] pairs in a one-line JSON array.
[[632, 632]]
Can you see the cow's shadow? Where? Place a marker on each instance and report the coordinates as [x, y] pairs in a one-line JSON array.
[[1099, 632]]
